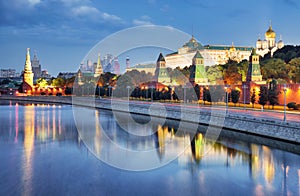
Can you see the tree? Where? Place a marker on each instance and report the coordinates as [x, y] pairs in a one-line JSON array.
[[231, 74], [206, 95], [263, 96], [58, 82], [274, 68], [41, 82], [235, 96], [253, 97], [273, 96], [214, 74]]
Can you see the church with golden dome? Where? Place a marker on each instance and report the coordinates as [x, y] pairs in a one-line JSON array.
[[269, 44]]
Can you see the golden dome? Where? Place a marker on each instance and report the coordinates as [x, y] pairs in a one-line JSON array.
[[193, 40], [270, 33]]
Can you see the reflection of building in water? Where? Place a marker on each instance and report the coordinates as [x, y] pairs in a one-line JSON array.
[[254, 161], [29, 116], [268, 164], [161, 140], [98, 134], [197, 145]]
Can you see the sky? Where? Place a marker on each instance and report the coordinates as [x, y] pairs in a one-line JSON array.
[[62, 32]]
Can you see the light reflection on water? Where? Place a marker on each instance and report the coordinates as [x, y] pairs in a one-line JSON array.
[[43, 154]]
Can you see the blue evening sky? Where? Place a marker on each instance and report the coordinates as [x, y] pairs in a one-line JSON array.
[[63, 31]]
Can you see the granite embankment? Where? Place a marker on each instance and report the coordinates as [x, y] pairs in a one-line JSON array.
[[214, 117]]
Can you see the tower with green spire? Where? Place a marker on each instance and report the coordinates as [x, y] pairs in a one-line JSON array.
[[197, 72], [161, 72], [254, 73]]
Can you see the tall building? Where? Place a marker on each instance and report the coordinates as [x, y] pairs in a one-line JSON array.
[[98, 70], [116, 66], [161, 72], [107, 63], [127, 62], [27, 74], [198, 73], [254, 73], [269, 44], [36, 67], [212, 54]]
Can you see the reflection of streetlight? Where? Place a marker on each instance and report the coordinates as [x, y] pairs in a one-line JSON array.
[[128, 87], [284, 113], [244, 94]]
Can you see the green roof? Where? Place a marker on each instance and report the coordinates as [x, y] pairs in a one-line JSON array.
[[198, 55], [160, 58], [221, 47]]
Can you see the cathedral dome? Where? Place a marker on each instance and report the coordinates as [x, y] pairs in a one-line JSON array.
[[270, 33]]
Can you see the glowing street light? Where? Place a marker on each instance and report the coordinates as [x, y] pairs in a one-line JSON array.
[[284, 113]]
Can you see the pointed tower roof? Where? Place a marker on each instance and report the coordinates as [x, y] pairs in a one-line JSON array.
[[160, 58], [98, 70], [253, 52], [198, 55], [27, 66]]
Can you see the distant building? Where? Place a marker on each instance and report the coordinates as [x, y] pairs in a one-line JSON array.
[[66, 75], [8, 73], [212, 54], [148, 68], [36, 67], [127, 62], [269, 43], [116, 66], [107, 63], [45, 74]]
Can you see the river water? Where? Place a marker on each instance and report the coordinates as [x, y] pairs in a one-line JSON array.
[[44, 152]]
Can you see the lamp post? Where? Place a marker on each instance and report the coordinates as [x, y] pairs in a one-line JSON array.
[[152, 93], [226, 87], [109, 90], [184, 94], [128, 87], [284, 113], [146, 93], [244, 94]]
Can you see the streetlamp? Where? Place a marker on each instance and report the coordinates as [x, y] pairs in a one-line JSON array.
[[244, 94], [184, 94], [152, 87], [146, 93], [226, 87], [128, 87], [284, 113], [109, 90]]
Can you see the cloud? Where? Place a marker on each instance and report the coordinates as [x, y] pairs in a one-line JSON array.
[[143, 20], [33, 2], [85, 11]]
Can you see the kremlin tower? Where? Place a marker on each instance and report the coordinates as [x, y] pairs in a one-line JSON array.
[[98, 70], [28, 74]]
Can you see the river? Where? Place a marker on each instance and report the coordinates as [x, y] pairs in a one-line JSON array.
[[44, 150]]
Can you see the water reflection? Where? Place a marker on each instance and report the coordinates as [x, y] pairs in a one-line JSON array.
[[29, 122], [254, 168]]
